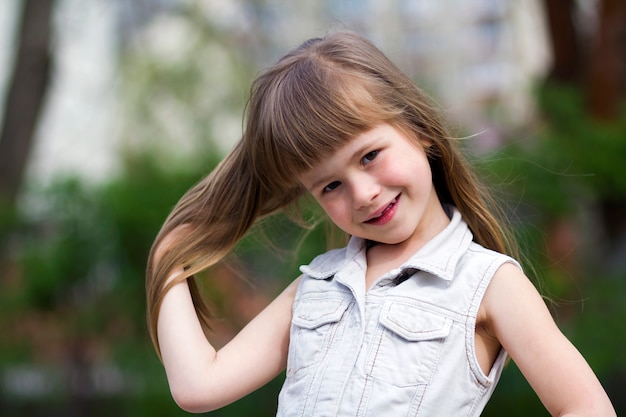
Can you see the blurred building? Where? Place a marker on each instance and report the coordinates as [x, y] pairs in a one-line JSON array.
[[478, 59]]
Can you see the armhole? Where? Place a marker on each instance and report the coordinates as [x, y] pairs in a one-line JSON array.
[[470, 325]]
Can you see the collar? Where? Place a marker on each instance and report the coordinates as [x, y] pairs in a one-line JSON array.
[[438, 257]]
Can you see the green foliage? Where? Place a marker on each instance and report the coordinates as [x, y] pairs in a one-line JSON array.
[[573, 159], [596, 149]]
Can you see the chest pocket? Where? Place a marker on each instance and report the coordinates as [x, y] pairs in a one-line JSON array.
[[316, 324], [407, 345]]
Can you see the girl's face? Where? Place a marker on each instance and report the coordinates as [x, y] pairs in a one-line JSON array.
[[379, 187]]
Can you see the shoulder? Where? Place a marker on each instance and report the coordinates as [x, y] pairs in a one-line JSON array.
[[486, 265], [510, 283], [512, 308], [326, 264], [479, 252]]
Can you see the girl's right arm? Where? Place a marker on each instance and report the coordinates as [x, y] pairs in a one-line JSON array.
[[203, 379]]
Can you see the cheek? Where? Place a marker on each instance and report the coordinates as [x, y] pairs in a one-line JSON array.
[[336, 210], [414, 173], [393, 175]]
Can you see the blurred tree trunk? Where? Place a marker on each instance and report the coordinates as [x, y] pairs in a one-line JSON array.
[[604, 94], [26, 95], [607, 55], [564, 41], [602, 78]]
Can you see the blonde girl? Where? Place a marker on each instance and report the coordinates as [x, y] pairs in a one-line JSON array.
[[415, 316]]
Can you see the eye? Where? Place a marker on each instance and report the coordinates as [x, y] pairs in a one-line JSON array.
[[331, 186], [369, 157]]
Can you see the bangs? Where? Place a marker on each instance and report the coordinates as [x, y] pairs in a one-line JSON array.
[[307, 112]]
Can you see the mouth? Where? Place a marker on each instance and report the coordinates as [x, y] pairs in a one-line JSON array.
[[385, 214]]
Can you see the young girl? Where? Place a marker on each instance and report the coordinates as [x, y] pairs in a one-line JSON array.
[[415, 316]]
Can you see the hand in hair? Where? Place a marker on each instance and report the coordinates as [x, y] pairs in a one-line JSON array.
[[203, 379]]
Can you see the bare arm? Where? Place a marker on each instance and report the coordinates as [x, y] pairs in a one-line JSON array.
[[558, 373], [203, 379]]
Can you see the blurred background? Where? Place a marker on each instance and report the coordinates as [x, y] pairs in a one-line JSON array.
[[111, 109]]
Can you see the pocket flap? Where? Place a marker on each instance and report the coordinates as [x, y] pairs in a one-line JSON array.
[[413, 323], [313, 312]]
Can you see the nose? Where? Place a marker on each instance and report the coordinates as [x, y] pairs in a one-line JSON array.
[[364, 191]]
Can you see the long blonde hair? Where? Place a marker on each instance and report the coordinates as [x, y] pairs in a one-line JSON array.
[[316, 98]]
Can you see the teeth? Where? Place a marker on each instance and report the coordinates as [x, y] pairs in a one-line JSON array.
[[385, 210]]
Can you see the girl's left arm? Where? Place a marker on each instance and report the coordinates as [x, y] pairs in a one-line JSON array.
[[517, 315]]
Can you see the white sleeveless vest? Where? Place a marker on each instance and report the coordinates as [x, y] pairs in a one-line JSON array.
[[403, 348]]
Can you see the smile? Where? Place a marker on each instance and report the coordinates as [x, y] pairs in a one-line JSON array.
[[386, 214]]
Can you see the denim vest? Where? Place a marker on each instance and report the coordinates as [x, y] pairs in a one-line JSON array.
[[405, 347]]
